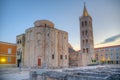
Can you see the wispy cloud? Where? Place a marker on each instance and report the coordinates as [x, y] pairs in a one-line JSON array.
[[110, 39]]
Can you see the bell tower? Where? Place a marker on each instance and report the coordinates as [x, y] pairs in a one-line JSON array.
[[86, 36]]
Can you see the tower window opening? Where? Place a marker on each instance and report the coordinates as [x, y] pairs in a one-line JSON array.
[[86, 41], [61, 56], [18, 42], [83, 33], [83, 42], [83, 50], [48, 34], [87, 50], [52, 56]]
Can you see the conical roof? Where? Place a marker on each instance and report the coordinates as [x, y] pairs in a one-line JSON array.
[[85, 12]]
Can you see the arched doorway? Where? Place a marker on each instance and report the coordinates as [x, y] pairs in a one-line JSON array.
[[39, 61]]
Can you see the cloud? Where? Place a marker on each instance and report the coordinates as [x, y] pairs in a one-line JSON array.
[[111, 39]]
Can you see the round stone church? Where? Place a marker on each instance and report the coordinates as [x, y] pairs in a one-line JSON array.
[[43, 46]]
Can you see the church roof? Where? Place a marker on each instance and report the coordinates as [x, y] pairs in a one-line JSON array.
[[44, 23], [85, 12]]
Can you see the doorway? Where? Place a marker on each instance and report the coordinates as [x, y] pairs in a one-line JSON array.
[[39, 62]]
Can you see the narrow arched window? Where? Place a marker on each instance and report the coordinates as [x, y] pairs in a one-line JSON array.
[[82, 33], [83, 42], [61, 56], [17, 41], [83, 50], [52, 56], [86, 41], [48, 34], [87, 50]]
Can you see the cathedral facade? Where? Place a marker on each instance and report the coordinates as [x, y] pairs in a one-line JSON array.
[[43, 46], [87, 40]]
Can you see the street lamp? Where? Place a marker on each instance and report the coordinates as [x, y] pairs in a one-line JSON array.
[[3, 60]]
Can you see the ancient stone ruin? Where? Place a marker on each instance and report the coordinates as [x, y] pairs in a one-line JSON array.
[[99, 73]]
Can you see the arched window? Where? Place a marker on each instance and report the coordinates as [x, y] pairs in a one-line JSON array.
[[83, 50], [85, 23], [83, 33], [83, 42], [86, 41], [87, 50], [48, 34], [61, 56], [52, 56], [17, 41]]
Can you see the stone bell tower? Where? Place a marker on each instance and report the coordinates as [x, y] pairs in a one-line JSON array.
[[87, 41]]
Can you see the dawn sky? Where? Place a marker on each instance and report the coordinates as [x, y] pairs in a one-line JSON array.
[[18, 15]]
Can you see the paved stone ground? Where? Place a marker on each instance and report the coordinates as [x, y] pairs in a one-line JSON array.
[[14, 74]]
